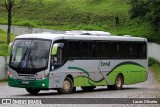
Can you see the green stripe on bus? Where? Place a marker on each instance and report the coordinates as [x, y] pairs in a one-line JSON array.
[[78, 68], [132, 72], [85, 81]]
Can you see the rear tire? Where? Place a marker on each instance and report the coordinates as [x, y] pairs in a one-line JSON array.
[[88, 88], [67, 86], [33, 91], [118, 83]]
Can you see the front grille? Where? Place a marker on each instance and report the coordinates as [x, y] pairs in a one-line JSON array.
[[31, 83]]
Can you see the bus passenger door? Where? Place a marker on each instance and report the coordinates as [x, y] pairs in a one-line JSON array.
[[56, 63], [57, 56]]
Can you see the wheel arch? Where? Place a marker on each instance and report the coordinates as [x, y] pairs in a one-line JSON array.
[[71, 77]]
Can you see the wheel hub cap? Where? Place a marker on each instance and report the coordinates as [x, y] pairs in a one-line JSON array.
[[118, 82], [66, 85]]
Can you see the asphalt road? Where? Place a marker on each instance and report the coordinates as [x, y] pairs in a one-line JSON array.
[[148, 89]]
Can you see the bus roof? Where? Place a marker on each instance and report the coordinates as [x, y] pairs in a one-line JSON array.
[[53, 37]]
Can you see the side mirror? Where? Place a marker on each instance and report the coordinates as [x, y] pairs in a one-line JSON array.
[[55, 48], [9, 47]]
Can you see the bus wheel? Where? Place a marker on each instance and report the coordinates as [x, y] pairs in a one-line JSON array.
[[67, 86], [119, 82], [88, 88], [33, 91]]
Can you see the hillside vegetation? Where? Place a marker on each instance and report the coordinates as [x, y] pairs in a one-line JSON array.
[[155, 67], [79, 14], [3, 44]]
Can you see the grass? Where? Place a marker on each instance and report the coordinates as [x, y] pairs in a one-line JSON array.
[[155, 67], [3, 44], [81, 15], [5, 80], [70, 14]]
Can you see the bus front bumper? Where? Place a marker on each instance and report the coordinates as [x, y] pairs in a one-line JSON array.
[[42, 84]]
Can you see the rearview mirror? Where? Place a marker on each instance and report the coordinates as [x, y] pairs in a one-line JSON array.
[[55, 48], [9, 47]]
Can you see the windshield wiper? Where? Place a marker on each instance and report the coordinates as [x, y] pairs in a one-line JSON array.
[[30, 59], [23, 58]]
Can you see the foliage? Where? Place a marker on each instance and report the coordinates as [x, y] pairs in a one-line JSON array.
[[139, 8], [148, 10], [4, 50], [4, 80], [10, 6], [3, 37], [25, 23], [86, 15], [72, 12], [3, 44], [155, 66], [95, 1]]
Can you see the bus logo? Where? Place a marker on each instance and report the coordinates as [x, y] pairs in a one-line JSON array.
[[105, 63]]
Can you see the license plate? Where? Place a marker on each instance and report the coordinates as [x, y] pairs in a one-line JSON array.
[[25, 82], [31, 78]]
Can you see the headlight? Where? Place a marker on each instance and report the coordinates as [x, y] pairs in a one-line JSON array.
[[10, 75], [43, 77]]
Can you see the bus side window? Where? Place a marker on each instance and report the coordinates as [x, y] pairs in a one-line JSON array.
[[102, 49], [142, 50], [58, 58], [86, 49], [133, 50], [73, 49], [116, 50]]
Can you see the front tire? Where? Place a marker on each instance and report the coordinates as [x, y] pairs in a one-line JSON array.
[[67, 86], [33, 91]]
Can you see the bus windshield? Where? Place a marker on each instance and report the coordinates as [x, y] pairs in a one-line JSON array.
[[30, 54]]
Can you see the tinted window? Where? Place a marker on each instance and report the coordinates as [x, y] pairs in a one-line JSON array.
[[102, 50], [133, 50], [130, 50], [116, 49], [142, 50], [73, 49], [87, 49]]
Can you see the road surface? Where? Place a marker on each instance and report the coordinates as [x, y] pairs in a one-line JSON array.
[[148, 89]]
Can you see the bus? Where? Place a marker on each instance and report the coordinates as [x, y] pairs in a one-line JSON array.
[[86, 59]]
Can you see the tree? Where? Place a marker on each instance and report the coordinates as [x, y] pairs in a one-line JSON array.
[[11, 6], [154, 14], [148, 10], [139, 8]]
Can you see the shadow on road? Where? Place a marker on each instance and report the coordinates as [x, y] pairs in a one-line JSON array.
[[45, 93]]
